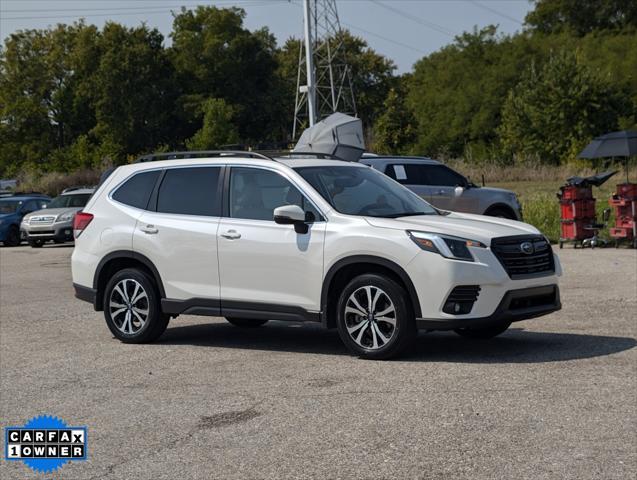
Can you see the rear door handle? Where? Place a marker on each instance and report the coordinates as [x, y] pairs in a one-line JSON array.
[[149, 229], [231, 235]]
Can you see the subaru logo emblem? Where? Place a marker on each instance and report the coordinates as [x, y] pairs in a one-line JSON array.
[[527, 247]]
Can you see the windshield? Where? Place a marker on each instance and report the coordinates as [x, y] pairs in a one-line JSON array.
[[9, 206], [69, 201], [364, 191]]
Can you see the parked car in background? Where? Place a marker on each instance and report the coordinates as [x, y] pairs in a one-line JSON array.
[[445, 188], [55, 222], [12, 209]]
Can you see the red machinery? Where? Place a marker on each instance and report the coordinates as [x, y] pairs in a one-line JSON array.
[[625, 203], [577, 204]]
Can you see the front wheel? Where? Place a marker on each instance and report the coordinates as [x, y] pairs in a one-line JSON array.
[[132, 309], [483, 333], [246, 322], [501, 213], [375, 319]]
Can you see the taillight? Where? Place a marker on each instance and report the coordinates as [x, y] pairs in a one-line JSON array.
[[80, 222]]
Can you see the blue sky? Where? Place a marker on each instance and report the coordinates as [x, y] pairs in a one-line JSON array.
[[403, 30]]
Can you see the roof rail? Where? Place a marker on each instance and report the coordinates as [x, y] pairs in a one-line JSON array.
[[322, 156], [79, 187], [200, 154]]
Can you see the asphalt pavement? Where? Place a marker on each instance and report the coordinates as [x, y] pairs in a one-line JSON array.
[[553, 398]]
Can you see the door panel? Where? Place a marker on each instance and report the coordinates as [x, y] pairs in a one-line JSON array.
[[261, 261], [264, 262], [184, 250], [179, 233]]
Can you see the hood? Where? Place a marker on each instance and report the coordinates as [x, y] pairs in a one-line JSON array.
[[472, 227], [52, 212]]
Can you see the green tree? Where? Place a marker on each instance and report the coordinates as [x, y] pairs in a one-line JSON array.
[[218, 127], [395, 128], [132, 89], [582, 16], [555, 110], [456, 94], [216, 57]]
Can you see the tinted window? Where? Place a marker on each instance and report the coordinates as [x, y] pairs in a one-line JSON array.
[[408, 174], [137, 189], [439, 175], [255, 193], [364, 191], [190, 191], [71, 200]]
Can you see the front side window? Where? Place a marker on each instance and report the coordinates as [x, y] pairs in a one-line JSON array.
[[255, 193], [364, 191], [443, 176], [136, 190], [190, 191]]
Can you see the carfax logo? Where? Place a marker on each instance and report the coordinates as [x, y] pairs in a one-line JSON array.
[[45, 443]]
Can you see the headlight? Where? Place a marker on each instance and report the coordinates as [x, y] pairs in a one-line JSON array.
[[449, 247], [65, 217]]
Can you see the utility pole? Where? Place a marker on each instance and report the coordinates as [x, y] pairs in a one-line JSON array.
[[323, 83]]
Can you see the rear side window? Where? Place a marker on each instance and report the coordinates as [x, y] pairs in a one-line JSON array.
[[409, 174], [136, 190], [190, 191]]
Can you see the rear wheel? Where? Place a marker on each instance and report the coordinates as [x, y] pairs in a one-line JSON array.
[[375, 319], [13, 237], [483, 333], [246, 322], [132, 309], [35, 243]]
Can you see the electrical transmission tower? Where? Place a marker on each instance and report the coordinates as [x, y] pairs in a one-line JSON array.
[[323, 83]]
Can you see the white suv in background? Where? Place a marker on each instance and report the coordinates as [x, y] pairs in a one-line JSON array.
[[252, 238]]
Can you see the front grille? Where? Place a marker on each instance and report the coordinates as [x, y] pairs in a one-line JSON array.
[[461, 299], [524, 256], [42, 220]]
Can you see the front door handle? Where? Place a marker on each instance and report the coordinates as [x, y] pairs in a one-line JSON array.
[[441, 192], [231, 235], [149, 229]]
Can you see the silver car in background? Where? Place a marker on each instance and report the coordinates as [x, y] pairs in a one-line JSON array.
[[55, 222], [445, 188]]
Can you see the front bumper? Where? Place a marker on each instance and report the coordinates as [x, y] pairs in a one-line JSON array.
[[59, 232], [516, 305]]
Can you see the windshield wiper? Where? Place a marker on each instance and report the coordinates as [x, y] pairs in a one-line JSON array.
[[405, 214]]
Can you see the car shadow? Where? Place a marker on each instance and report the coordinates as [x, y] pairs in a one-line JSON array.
[[515, 346]]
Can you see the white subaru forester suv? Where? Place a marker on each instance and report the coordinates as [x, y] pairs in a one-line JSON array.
[[253, 239]]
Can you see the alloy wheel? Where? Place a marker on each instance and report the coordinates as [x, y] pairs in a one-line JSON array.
[[370, 317], [129, 306]]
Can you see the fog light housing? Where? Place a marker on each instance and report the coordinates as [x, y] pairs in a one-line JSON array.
[[461, 299]]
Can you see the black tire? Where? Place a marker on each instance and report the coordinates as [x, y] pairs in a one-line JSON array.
[[246, 322], [13, 237], [156, 321], [34, 243], [400, 334], [501, 213], [483, 333]]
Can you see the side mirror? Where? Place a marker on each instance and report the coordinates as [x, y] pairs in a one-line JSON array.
[[458, 190], [291, 215]]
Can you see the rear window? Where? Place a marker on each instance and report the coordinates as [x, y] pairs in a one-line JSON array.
[[136, 191], [190, 191]]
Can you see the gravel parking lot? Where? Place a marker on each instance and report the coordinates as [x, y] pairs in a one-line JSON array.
[[554, 397]]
